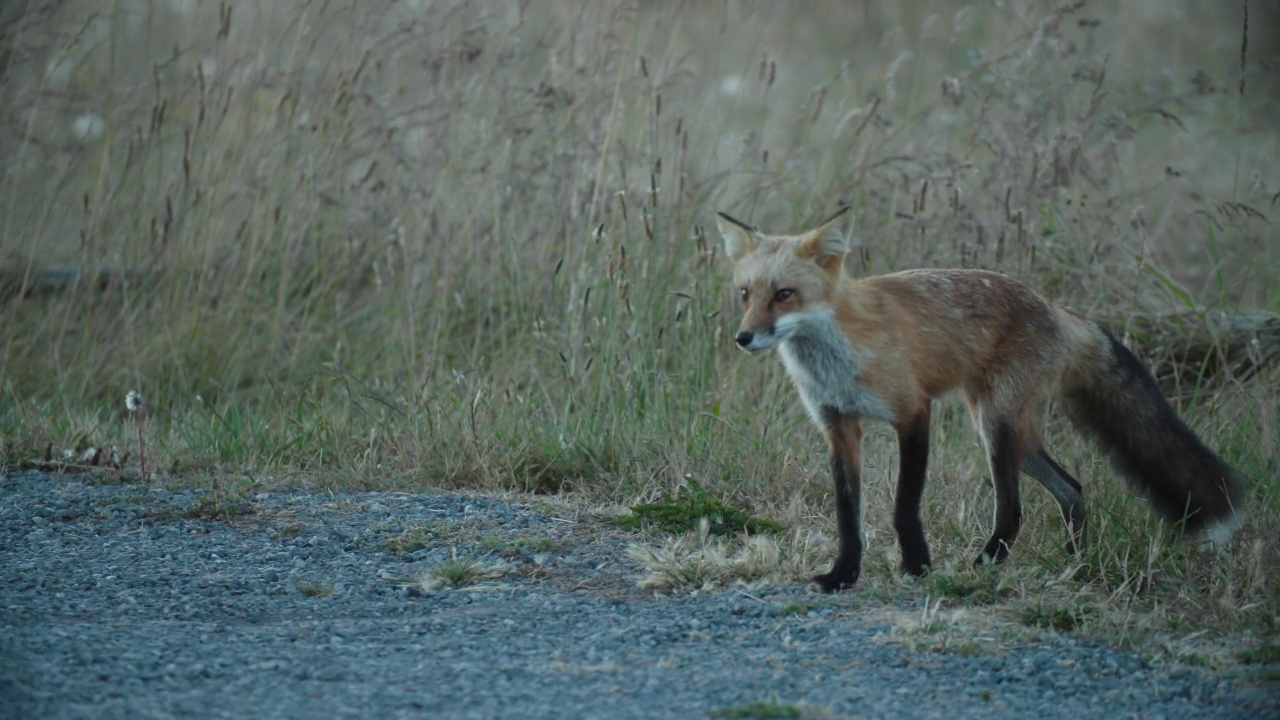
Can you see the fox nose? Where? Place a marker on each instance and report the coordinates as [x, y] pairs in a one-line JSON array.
[[743, 339]]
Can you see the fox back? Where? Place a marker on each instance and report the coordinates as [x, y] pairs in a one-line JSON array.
[[910, 335]]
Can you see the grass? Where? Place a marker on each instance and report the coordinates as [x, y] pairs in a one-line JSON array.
[[459, 572], [1264, 654], [460, 246], [1062, 619], [418, 536], [983, 585], [218, 504], [704, 562], [795, 607], [691, 506], [518, 547]]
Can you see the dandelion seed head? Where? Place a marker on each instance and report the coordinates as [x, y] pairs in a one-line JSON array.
[[208, 67], [133, 401], [57, 71], [88, 126], [951, 89]]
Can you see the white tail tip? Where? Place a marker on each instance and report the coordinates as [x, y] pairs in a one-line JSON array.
[[1217, 537]]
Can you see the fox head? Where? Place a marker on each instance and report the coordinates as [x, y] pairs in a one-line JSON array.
[[783, 282]]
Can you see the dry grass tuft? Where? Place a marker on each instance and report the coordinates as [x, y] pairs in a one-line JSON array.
[[705, 561], [459, 572]]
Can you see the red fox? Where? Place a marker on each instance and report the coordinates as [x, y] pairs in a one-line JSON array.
[[883, 347]]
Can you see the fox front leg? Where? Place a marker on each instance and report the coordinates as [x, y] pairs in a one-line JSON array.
[[844, 435], [913, 452], [1004, 450]]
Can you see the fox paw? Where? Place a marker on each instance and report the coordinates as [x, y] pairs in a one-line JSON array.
[[835, 582], [994, 553], [914, 570], [915, 564]]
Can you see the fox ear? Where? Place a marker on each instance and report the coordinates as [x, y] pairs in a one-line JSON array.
[[739, 237], [826, 244]]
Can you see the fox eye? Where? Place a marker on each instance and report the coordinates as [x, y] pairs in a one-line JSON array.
[[745, 294], [783, 294]]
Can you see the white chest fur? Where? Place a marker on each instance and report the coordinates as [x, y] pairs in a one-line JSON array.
[[824, 367]]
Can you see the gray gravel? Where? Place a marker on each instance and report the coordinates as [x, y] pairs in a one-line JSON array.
[[114, 603]]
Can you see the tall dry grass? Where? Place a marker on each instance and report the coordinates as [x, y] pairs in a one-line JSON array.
[[468, 245]]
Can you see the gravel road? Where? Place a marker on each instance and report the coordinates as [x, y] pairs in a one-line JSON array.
[[114, 602]]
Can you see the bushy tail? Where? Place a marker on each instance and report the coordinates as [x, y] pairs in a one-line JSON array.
[[1119, 405]]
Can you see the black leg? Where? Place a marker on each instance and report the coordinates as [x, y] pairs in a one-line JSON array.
[[844, 433], [1065, 489], [1062, 473], [913, 450], [1005, 462]]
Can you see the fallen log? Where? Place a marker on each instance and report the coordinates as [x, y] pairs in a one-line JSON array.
[[1190, 349], [1185, 349], [60, 279]]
